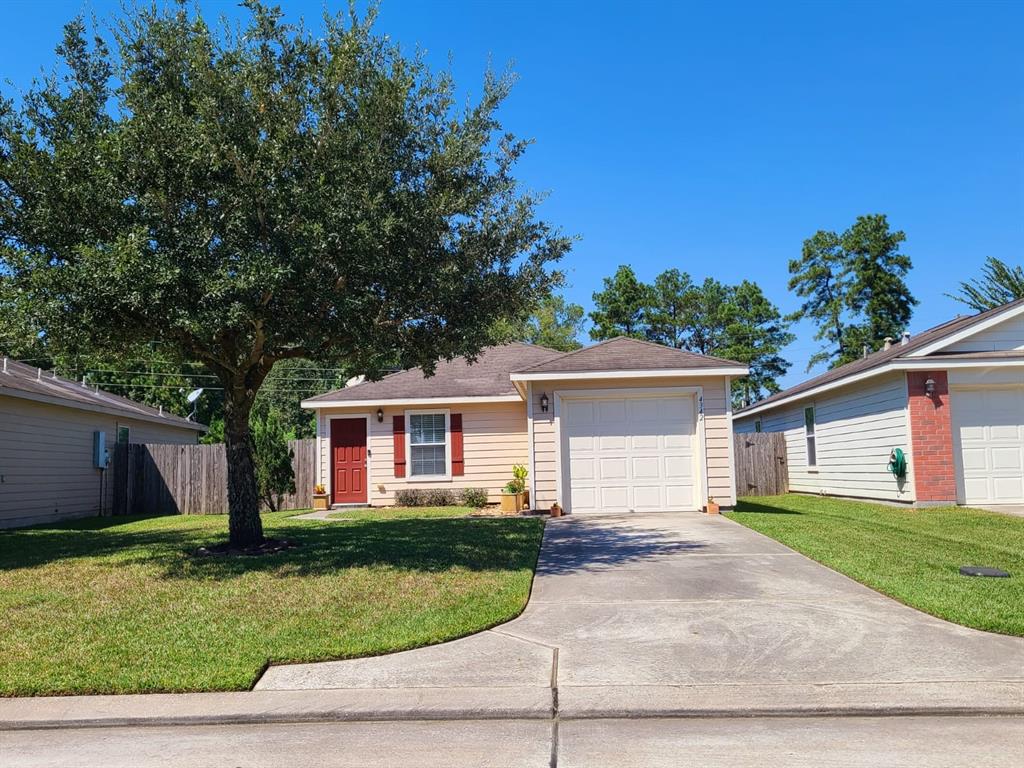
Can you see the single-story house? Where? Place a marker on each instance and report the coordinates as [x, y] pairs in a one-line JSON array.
[[54, 436], [951, 399], [620, 426]]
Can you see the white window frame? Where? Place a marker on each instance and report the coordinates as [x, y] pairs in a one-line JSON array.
[[409, 476], [117, 434], [758, 426], [809, 436]]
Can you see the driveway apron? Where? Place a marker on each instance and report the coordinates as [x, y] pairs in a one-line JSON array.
[[663, 609]]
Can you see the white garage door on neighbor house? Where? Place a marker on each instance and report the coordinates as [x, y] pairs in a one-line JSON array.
[[630, 454], [988, 425]]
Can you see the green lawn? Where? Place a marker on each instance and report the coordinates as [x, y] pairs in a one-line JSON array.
[[912, 555], [399, 513], [118, 605]]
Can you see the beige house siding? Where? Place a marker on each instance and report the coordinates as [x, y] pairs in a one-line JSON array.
[[46, 459], [717, 430], [494, 438]]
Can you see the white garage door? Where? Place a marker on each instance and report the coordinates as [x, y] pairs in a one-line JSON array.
[[989, 427], [629, 454]]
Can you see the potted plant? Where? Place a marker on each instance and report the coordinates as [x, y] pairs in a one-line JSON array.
[[712, 507], [513, 495], [320, 497], [519, 473], [556, 510]]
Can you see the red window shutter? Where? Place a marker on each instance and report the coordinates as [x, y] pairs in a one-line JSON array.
[[458, 463], [399, 433]]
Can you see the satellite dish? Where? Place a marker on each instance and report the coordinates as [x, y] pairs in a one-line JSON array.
[[194, 395]]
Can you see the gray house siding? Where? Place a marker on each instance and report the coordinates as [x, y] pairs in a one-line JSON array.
[[856, 427]]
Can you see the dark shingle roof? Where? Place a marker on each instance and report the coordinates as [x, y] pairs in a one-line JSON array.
[[897, 350], [626, 354], [20, 380], [487, 377]]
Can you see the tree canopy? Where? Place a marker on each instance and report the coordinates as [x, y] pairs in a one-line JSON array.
[[854, 288], [736, 322], [247, 196], [999, 284]]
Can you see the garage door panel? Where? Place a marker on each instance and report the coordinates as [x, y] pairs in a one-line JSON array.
[[1007, 489], [611, 443], [582, 469], [1004, 431], [1006, 458], [580, 412], [611, 411], [975, 459], [614, 497], [678, 467], [647, 467], [630, 453], [679, 497], [613, 468], [581, 443]]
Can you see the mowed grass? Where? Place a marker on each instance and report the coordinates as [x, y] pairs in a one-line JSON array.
[[119, 605], [912, 555], [399, 513]]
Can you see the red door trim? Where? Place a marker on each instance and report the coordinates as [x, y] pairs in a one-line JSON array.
[[351, 435]]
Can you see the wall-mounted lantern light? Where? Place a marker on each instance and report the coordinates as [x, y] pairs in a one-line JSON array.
[[929, 387], [544, 402], [380, 415]]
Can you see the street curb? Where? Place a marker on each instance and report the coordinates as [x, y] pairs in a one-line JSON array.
[[575, 703]]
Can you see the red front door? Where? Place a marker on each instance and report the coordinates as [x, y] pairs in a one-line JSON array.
[[348, 461]]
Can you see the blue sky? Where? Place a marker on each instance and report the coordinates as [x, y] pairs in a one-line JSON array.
[[715, 137]]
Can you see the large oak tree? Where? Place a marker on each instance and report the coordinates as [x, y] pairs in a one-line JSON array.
[[249, 195]]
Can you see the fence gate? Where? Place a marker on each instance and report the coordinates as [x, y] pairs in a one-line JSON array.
[[761, 468]]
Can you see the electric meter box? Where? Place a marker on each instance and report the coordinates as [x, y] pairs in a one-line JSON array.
[[100, 457]]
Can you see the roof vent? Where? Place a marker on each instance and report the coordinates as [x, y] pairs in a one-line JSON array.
[[888, 342], [906, 339], [5, 364], [865, 350]]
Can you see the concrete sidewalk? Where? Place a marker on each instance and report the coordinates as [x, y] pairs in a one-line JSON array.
[[670, 615]]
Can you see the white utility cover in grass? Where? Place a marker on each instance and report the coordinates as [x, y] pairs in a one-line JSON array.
[[988, 431], [630, 454]]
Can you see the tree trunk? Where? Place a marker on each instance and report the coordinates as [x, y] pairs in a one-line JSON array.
[[244, 524]]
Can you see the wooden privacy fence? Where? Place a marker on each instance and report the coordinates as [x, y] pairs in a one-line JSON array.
[[761, 467], [192, 479]]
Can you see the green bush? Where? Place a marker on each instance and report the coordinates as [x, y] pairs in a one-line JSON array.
[[426, 497], [474, 497]]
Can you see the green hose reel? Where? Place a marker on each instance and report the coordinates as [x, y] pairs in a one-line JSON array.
[[897, 463]]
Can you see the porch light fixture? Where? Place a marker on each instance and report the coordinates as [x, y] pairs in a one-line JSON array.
[[544, 402], [929, 387], [380, 415]]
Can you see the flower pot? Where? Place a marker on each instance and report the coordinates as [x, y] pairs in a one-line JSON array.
[[320, 501], [511, 502], [556, 510], [526, 499], [712, 508]]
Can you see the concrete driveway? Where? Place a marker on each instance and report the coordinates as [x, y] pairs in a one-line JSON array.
[[684, 613]]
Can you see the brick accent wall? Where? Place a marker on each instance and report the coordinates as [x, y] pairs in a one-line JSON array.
[[931, 435]]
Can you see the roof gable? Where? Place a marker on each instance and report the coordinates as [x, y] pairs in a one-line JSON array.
[[626, 354], [934, 342]]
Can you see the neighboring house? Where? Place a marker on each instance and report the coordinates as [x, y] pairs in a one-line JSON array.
[[952, 398], [621, 426], [48, 436]]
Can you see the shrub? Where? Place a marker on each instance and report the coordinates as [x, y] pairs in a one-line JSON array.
[[410, 497], [474, 497], [426, 497], [441, 497]]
